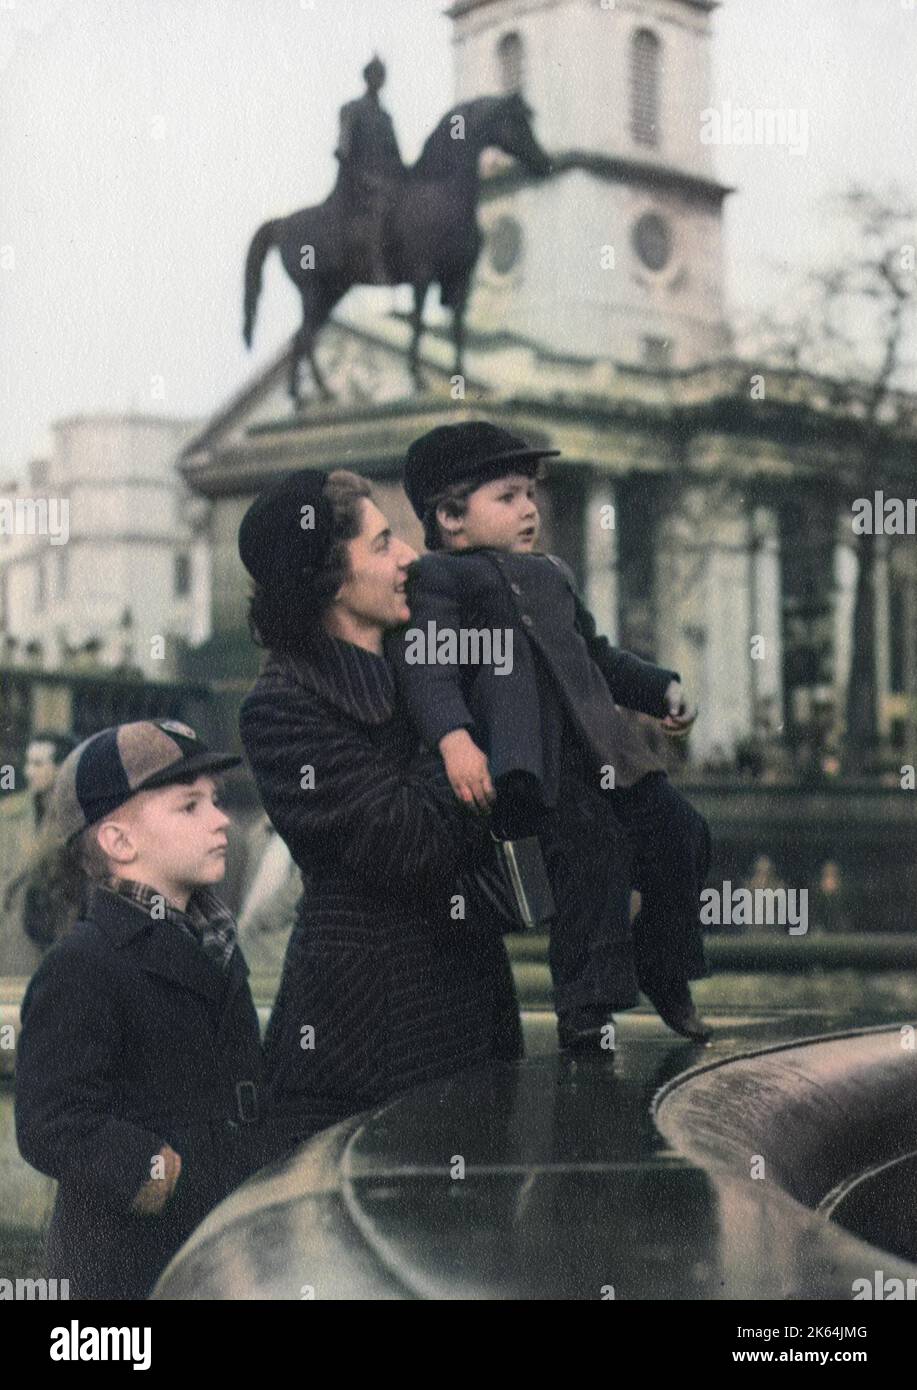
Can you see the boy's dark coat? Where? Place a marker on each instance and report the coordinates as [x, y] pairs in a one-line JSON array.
[[398, 993], [132, 1037], [580, 673]]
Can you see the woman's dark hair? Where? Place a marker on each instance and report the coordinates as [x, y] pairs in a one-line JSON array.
[[284, 620]]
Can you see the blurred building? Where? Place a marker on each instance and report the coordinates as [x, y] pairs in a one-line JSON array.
[[124, 583]]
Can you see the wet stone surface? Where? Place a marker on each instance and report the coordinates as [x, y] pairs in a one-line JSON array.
[[578, 1178]]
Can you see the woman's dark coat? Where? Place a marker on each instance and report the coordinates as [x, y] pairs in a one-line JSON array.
[[383, 986], [132, 1037]]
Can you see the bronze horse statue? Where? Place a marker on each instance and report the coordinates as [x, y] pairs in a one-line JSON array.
[[431, 232]]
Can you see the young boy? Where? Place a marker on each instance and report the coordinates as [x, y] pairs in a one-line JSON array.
[[539, 736], [139, 1059]]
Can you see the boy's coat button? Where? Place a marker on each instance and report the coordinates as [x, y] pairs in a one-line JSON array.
[[528, 619], [515, 588]]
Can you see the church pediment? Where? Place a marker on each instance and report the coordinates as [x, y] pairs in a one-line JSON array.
[[376, 404], [362, 366]]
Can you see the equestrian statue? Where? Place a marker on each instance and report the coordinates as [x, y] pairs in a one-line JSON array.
[[389, 224]]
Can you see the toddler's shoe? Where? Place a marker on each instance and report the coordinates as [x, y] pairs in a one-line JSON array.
[[596, 1039], [675, 1007]]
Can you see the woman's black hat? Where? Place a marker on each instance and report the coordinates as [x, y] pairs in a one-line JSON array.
[[472, 451], [288, 530]]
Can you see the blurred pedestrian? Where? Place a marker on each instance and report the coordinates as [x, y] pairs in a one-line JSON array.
[[21, 817]]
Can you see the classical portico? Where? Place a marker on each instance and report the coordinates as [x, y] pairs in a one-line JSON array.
[[707, 529]]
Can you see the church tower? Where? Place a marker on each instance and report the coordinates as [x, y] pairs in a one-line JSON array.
[[618, 254]]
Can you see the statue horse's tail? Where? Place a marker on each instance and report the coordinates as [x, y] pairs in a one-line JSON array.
[[262, 242]]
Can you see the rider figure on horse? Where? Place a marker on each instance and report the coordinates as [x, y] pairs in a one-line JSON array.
[[370, 160]]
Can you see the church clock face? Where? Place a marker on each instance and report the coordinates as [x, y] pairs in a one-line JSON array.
[[652, 241], [504, 245]]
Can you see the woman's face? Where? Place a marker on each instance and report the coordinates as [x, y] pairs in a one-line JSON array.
[[373, 594]]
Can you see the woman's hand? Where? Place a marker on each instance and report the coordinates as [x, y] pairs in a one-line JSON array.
[[467, 769]]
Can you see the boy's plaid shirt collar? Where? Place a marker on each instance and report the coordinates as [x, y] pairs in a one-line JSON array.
[[206, 919]]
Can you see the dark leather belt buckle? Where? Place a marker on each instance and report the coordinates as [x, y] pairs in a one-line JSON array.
[[247, 1101]]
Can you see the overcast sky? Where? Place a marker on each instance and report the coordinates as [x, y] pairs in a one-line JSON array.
[[143, 141]]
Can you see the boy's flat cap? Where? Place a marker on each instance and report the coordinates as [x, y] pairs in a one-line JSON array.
[[472, 451], [111, 766]]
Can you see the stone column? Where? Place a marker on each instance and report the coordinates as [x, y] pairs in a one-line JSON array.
[[808, 522], [845, 576], [764, 613], [703, 607], [600, 552], [910, 652], [883, 638]]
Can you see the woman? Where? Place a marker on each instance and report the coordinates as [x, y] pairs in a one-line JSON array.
[[386, 984]]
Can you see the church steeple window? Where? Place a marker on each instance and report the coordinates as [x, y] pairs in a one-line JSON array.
[[510, 57], [652, 241], [644, 87]]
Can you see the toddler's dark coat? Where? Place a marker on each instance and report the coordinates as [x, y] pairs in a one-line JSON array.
[[518, 718], [556, 717], [133, 1037]]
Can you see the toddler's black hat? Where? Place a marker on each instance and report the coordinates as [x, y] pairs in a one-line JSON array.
[[472, 451]]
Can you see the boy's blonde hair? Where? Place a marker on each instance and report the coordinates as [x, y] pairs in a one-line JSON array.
[[60, 875]]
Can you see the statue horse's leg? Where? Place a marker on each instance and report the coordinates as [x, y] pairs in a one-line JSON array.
[[297, 350], [420, 296], [458, 335], [458, 292], [318, 299]]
